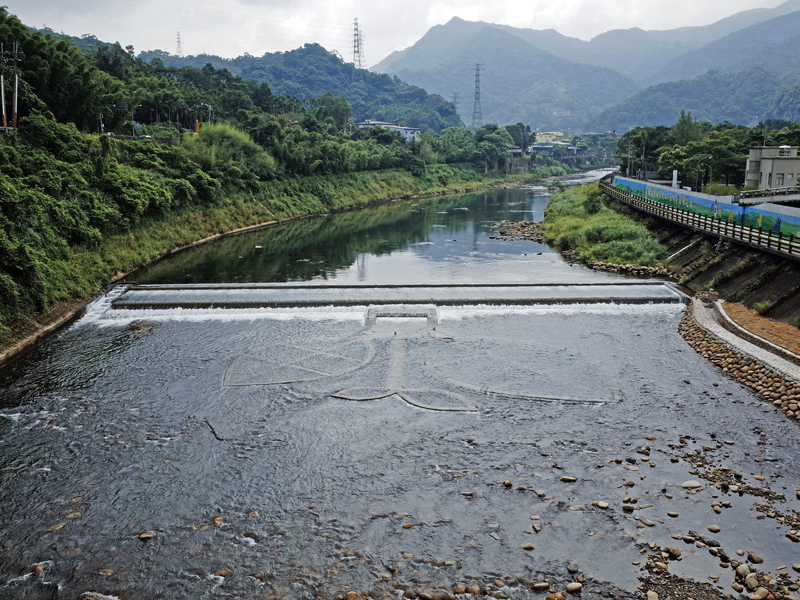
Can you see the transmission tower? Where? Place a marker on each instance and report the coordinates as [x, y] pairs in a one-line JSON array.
[[477, 116], [178, 45], [455, 101], [359, 62]]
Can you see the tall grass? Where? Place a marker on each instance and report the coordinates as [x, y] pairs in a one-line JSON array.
[[578, 220]]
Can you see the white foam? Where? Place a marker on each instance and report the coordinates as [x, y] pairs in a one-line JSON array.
[[455, 313], [124, 317]]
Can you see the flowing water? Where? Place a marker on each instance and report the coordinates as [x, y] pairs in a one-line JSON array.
[[277, 439]]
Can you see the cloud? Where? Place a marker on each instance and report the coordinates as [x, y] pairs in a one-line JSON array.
[[234, 27]]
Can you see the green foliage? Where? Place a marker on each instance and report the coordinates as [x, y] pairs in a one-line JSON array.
[[577, 220], [594, 202], [713, 153], [230, 156], [685, 130], [639, 148], [763, 307], [311, 72]]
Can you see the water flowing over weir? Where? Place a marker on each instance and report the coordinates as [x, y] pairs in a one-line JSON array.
[[302, 440], [404, 335]]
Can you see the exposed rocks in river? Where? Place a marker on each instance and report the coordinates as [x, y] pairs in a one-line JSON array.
[[522, 230]]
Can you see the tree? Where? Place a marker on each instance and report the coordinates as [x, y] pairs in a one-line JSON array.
[[639, 148], [686, 130]]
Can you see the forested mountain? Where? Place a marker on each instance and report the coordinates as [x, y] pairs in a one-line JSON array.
[[312, 71], [770, 45], [542, 78], [740, 68], [741, 98], [638, 54], [743, 77], [518, 80]]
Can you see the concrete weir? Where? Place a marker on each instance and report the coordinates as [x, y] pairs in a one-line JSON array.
[[293, 295], [405, 349]]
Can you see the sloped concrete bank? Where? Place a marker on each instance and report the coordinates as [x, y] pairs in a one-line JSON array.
[[769, 376], [759, 280]]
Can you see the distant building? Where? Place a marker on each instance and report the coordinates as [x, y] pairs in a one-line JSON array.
[[515, 150], [548, 136], [772, 167], [411, 134]]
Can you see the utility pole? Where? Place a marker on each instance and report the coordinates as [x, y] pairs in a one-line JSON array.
[[644, 145], [2, 83], [178, 45], [629, 160], [359, 62], [16, 84], [477, 116]]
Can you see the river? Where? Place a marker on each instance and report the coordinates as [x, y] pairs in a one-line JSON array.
[[462, 437]]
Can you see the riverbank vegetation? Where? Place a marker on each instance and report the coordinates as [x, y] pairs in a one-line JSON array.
[[708, 157], [78, 208], [67, 228], [579, 222]]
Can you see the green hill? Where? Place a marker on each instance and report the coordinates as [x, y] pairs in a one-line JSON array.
[[312, 71], [741, 98]]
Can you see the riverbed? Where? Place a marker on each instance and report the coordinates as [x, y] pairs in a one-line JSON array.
[[310, 451]]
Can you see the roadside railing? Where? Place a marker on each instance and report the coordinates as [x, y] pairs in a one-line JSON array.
[[774, 241]]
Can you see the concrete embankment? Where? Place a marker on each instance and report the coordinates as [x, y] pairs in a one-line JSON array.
[[757, 279], [770, 377]]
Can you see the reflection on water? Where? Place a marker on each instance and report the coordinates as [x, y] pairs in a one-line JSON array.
[[431, 240]]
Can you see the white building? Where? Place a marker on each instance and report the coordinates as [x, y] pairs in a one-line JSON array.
[[411, 134], [772, 167]]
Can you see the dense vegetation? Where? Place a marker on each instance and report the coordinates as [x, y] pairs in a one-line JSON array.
[[298, 76], [699, 151], [714, 96], [579, 221], [77, 208]]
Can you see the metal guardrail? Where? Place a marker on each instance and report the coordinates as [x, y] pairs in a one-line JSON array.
[[778, 191], [773, 241]]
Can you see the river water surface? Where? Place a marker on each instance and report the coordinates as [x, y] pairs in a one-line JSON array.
[[307, 451]]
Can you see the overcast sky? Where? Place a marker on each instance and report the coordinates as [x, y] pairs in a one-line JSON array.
[[233, 27]]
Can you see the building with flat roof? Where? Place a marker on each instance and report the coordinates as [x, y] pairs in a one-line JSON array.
[[772, 167], [411, 134], [548, 136]]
